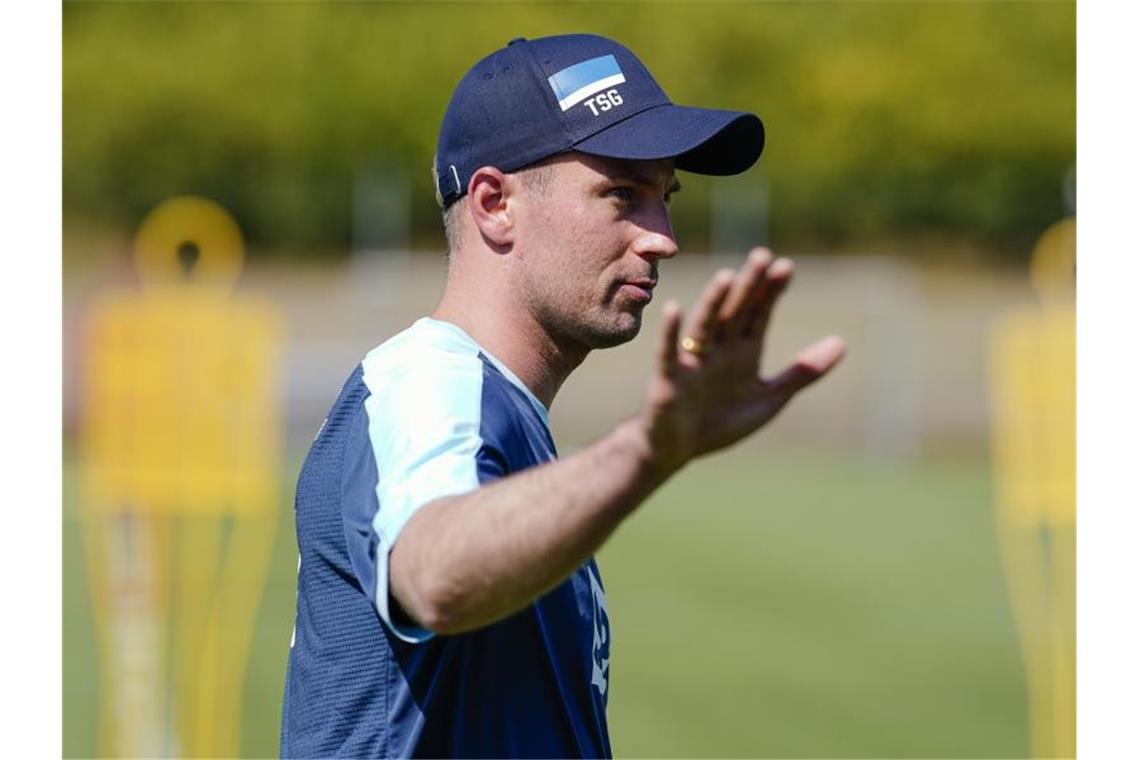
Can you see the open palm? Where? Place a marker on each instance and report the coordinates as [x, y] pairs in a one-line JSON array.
[[708, 391]]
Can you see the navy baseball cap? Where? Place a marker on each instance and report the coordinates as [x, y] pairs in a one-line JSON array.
[[537, 98]]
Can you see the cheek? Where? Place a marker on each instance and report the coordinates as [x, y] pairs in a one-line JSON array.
[[550, 241], [560, 222], [586, 244], [571, 250]]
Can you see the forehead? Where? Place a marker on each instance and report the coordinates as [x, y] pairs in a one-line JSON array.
[[584, 167]]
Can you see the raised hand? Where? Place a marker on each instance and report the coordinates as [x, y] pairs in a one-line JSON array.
[[708, 391]]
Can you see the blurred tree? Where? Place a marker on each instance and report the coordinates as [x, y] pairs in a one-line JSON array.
[[886, 121]]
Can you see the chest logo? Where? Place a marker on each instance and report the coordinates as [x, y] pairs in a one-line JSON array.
[[601, 659]]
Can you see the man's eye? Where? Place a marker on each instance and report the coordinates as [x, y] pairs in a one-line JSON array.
[[623, 194]]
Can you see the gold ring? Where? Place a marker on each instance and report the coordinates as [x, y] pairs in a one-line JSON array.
[[693, 346]]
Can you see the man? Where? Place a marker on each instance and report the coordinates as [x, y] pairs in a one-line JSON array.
[[448, 602]]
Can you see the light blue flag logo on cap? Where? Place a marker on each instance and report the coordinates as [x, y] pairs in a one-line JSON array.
[[575, 83]]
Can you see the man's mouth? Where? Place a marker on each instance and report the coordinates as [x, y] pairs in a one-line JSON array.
[[638, 288]]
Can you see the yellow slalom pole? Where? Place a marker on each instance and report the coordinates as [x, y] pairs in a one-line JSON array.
[[248, 560], [199, 545], [1032, 379]]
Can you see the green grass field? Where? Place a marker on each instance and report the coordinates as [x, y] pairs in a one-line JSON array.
[[760, 606]]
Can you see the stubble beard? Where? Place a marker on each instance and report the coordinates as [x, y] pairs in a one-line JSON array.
[[592, 326]]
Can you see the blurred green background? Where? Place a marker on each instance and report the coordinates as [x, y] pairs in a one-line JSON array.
[[831, 589], [886, 121], [790, 606]]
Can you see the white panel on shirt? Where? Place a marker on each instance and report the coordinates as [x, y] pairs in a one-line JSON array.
[[424, 413]]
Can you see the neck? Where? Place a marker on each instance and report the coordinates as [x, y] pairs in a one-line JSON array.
[[513, 337]]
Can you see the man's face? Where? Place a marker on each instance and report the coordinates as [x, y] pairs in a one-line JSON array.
[[589, 240]]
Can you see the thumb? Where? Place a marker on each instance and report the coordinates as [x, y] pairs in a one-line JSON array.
[[810, 364]]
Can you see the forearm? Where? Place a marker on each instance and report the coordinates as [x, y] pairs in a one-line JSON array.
[[466, 561]]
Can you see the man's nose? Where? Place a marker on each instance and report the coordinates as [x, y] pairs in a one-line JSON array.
[[655, 239]]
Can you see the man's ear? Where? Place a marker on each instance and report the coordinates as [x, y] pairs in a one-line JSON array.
[[489, 193]]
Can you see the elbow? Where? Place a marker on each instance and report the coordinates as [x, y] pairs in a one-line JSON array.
[[438, 613], [440, 620], [427, 583], [428, 602]]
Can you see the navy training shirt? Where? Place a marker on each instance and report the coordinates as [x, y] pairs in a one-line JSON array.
[[429, 414]]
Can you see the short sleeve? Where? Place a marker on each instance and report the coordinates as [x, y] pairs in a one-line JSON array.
[[416, 439]]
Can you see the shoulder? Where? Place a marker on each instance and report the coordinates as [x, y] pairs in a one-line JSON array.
[[434, 382], [424, 363], [425, 391], [504, 405]]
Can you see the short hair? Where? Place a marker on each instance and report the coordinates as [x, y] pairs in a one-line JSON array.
[[535, 178]]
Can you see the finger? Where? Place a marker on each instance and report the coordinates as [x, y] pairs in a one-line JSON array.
[[776, 280], [744, 291], [670, 333], [705, 322], [811, 364]]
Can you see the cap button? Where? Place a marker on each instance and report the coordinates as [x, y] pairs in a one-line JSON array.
[[516, 39]]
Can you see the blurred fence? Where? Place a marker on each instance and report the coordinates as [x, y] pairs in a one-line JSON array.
[[912, 383]]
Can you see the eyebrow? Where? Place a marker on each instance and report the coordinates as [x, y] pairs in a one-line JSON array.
[[645, 180]]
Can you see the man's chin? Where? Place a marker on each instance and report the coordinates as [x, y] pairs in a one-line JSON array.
[[600, 329], [624, 329]]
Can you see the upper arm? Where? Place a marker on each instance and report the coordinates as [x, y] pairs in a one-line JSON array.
[[416, 439]]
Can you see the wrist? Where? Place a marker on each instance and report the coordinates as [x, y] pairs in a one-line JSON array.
[[652, 468]]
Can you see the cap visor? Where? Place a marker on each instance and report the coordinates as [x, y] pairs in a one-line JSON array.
[[702, 140]]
